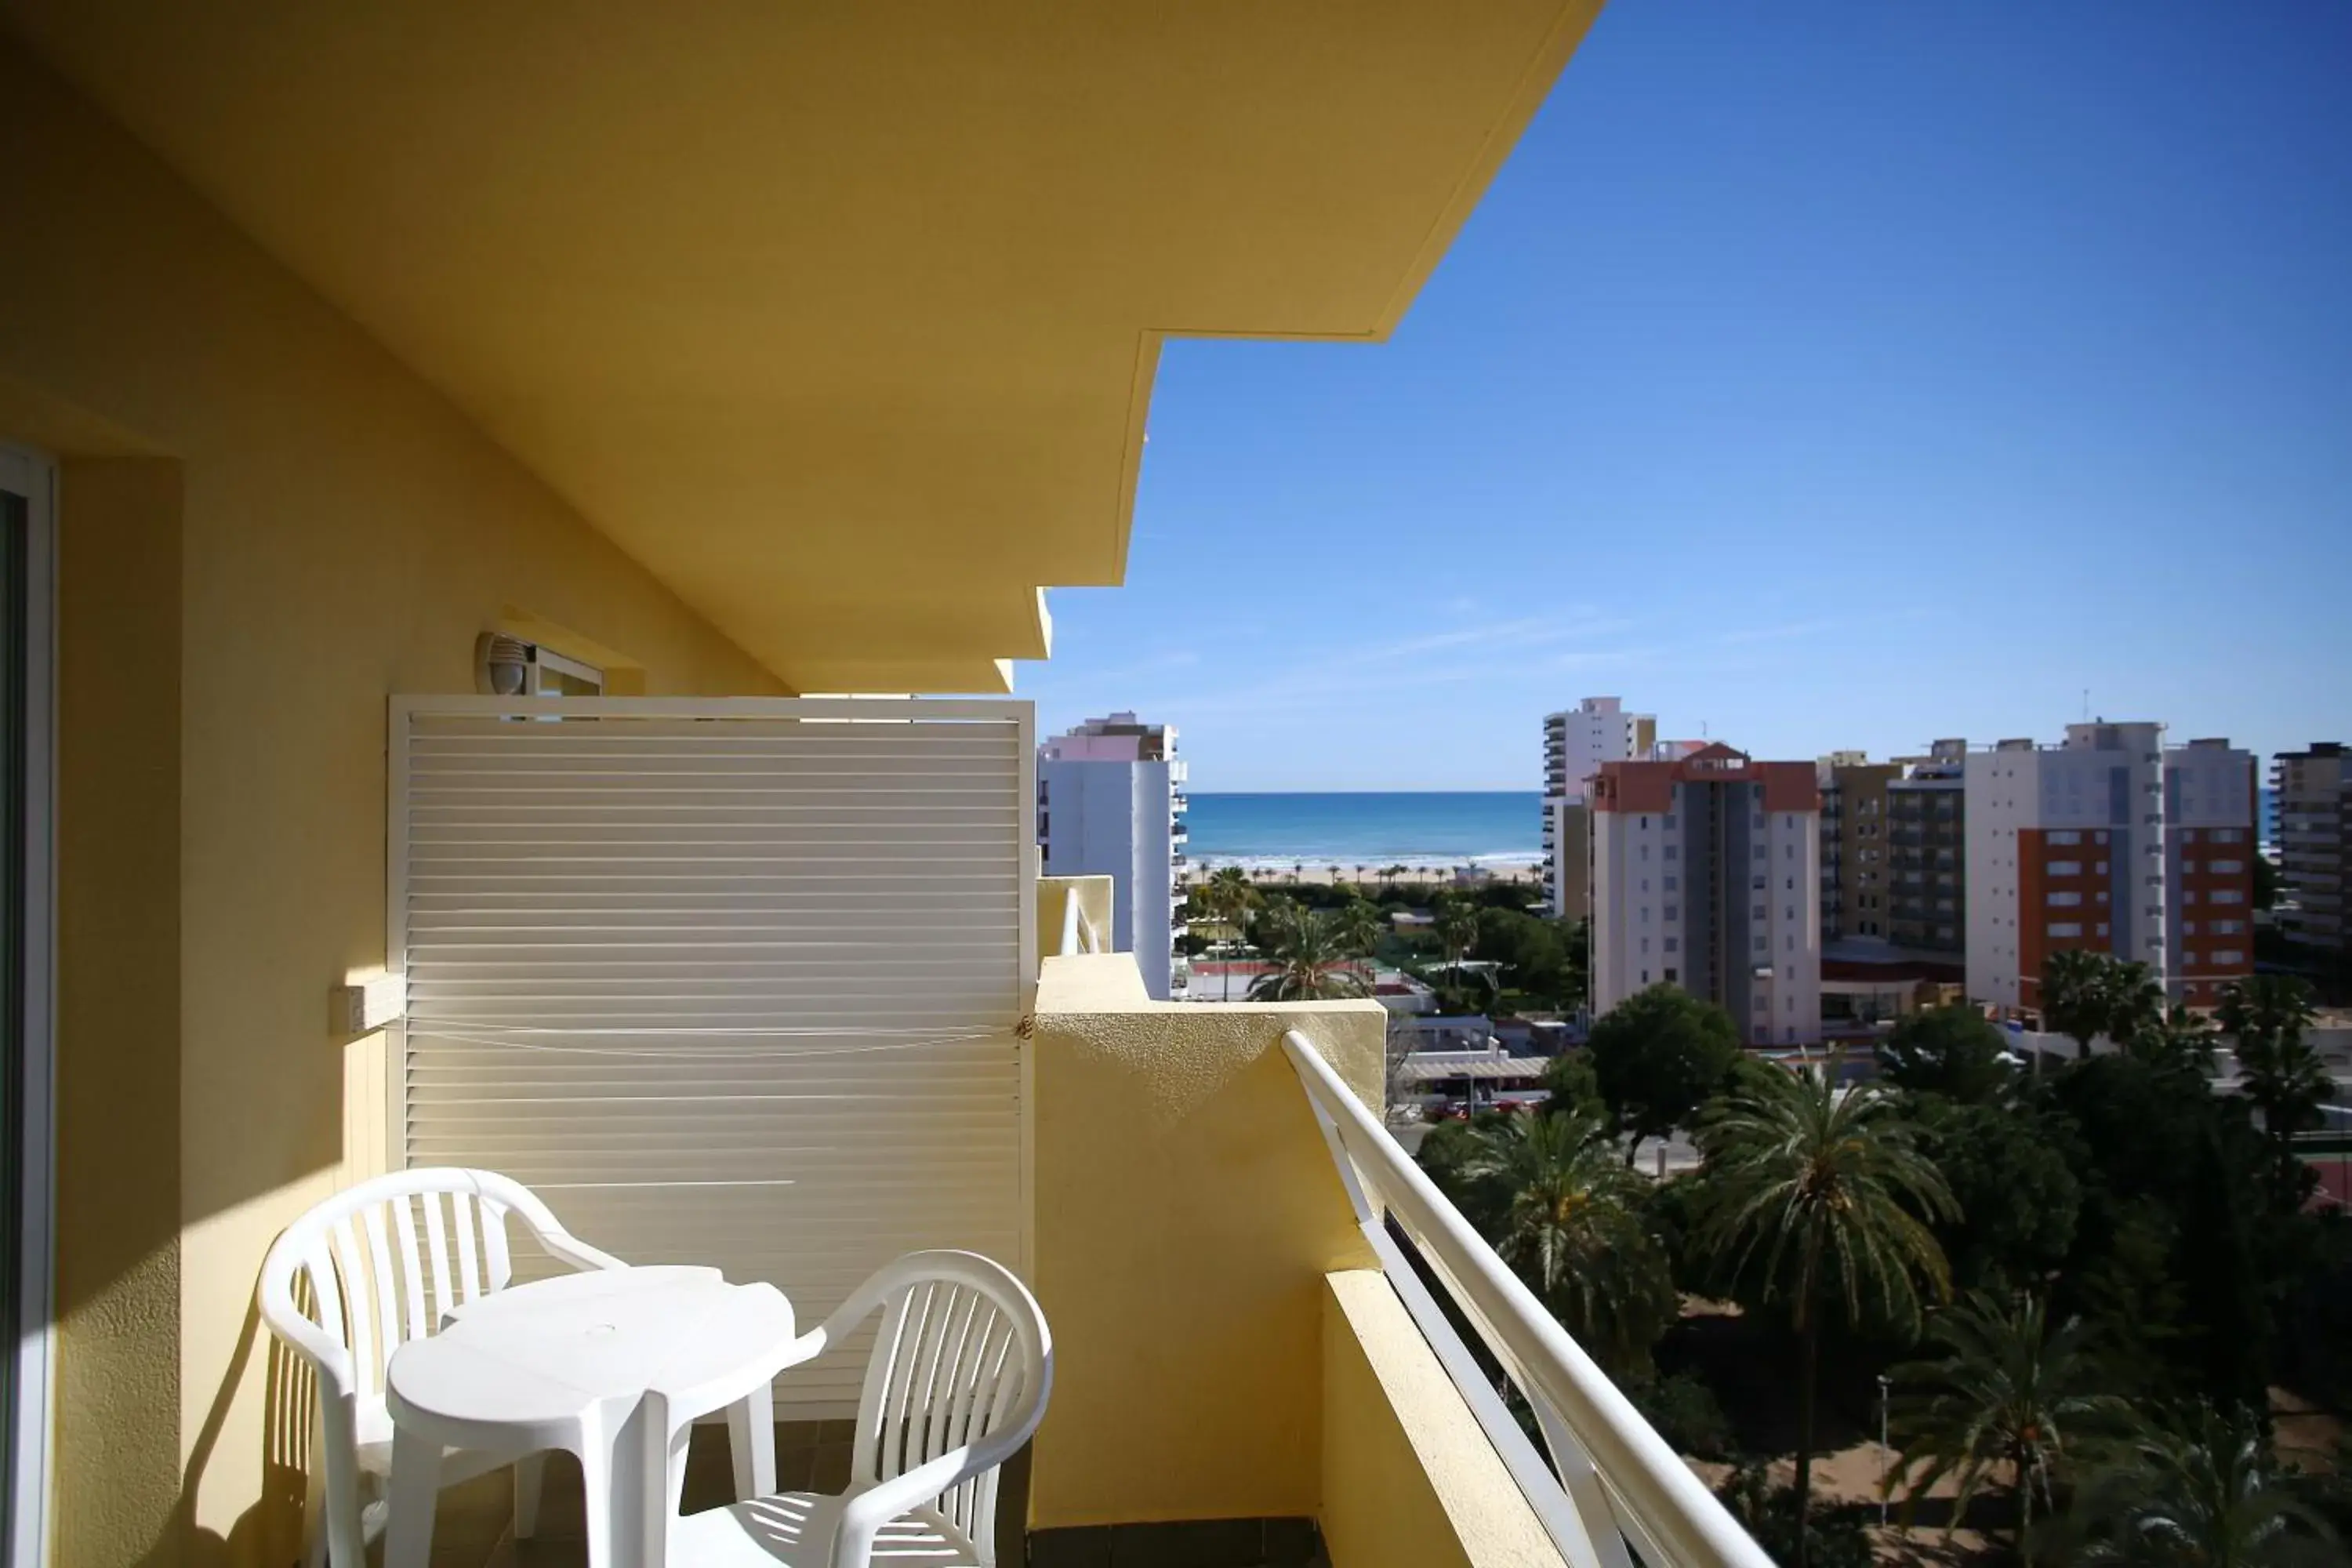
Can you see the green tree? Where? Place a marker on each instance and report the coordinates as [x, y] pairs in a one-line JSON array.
[[2085, 994], [1573, 1086], [1359, 924], [1458, 928], [2200, 1490], [1572, 1228], [2007, 1391], [2284, 1079], [1952, 1051], [1817, 1193], [1659, 1055], [2074, 996], [2018, 1198], [1309, 962], [1229, 895]]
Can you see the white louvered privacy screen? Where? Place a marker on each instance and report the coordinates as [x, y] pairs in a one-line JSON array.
[[732, 982]]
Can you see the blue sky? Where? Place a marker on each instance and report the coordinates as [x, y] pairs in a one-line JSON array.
[[1830, 375]]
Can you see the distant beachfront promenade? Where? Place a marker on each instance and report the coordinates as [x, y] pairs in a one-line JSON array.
[[1306, 834]]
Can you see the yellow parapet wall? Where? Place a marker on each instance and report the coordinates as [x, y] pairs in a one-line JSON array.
[[1408, 1478], [1186, 1212]]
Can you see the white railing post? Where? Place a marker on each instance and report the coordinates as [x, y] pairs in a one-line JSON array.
[[1620, 1478]]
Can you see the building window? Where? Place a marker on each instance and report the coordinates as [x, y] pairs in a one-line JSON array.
[[2188, 957], [2189, 868], [2065, 928], [1670, 883], [1758, 912], [2225, 896], [1674, 852], [2227, 836], [2103, 928], [2223, 868], [1644, 821], [2066, 868], [1761, 853], [1645, 945], [1756, 884], [2189, 895], [1674, 911], [2101, 868], [2189, 928], [2229, 956], [2063, 838], [1646, 884], [1645, 852], [2061, 900], [1674, 944], [1646, 977], [1670, 827], [2226, 928]]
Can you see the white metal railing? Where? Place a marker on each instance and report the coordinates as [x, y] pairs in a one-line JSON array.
[[1612, 1480], [1078, 931]]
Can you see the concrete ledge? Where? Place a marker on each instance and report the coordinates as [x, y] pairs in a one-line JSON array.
[[1409, 1479]]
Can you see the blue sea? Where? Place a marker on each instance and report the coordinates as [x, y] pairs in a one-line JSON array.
[[1420, 830]]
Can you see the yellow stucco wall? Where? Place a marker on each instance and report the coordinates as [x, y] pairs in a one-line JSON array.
[[1408, 1478], [320, 531], [1186, 1212]]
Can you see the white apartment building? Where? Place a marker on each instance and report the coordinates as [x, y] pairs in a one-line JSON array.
[[1110, 802], [1706, 875], [2114, 842], [1576, 741]]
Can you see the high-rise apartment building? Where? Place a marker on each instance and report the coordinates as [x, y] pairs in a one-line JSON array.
[[1706, 875], [2313, 790], [1576, 741], [1926, 832], [1856, 866], [2109, 841], [1110, 802]]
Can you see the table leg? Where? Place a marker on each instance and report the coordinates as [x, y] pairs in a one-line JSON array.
[[751, 1440], [414, 1492]]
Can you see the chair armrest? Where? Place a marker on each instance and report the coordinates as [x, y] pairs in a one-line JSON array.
[[566, 1248], [865, 1513]]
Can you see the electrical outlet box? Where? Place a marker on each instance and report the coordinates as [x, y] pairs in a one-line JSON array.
[[364, 1008]]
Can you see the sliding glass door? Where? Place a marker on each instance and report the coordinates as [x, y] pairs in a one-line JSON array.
[[26, 486]]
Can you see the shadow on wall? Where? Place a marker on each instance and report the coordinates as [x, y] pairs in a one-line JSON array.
[[270, 1531]]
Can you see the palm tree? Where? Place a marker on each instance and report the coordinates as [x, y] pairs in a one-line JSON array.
[[2010, 1393], [1458, 928], [1574, 1232], [1229, 896], [2180, 1040], [2075, 995], [1309, 962], [2134, 998], [2207, 1494], [1360, 926], [2284, 1079], [1390, 875], [1820, 1186]]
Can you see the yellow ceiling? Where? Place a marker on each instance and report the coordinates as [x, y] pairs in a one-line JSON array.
[[842, 317]]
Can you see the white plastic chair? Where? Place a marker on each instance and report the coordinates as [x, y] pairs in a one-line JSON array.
[[957, 1382], [385, 1262]]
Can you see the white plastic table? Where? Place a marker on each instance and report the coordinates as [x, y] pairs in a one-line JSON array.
[[587, 1363]]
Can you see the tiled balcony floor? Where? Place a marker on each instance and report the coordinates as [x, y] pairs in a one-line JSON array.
[[473, 1526]]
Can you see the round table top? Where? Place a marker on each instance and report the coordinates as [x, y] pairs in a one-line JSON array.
[[548, 1351]]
